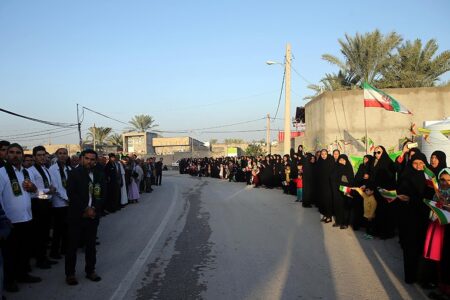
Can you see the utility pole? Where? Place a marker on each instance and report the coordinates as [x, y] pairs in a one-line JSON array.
[[287, 102], [93, 133], [79, 128], [268, 134]]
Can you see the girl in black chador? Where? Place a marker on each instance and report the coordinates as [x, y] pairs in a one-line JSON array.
[[308, 179], [438, 162], [342, 203]]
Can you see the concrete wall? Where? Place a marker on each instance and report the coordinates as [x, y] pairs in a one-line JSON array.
[[340, 116]]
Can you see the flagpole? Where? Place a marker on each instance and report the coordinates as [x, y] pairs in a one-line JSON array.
[[365, 125]]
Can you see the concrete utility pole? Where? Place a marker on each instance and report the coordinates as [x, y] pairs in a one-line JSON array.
[[93, 133], [287, 102], [268, 134], [79, 128]]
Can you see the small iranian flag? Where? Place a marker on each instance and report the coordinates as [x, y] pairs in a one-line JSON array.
[[345, 189], [442, 215], [431, 179], [388, 195], [375, 98]]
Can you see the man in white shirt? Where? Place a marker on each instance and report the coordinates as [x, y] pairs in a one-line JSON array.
[[41, 207], [59, 173], [16, 187]]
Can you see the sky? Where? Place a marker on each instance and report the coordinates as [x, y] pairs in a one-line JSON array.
[[191, 65]]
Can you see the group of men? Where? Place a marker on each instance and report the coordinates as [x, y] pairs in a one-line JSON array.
[[60, 204]]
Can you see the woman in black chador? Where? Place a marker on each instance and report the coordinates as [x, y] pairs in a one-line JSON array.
[[413, 214], [342, 203], [325, 168], [383, 176]]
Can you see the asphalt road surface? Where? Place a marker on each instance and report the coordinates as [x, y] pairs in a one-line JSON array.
[[203, 238]]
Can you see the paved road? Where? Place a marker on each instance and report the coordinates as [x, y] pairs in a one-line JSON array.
[[202, 238]]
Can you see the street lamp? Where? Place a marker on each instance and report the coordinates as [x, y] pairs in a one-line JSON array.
[[287, 99]]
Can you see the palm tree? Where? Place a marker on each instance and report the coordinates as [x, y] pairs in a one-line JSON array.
[[416, 66], [115, 139], [98, 134], [334, 82], [367, 55], [142, 123]]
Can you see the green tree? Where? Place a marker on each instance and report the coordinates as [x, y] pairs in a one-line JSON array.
[[115, 139], [142, 123], [366, 56], [416, 66], [255, 150], [99, 134]]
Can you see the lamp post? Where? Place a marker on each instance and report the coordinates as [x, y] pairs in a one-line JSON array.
[[287, 98]]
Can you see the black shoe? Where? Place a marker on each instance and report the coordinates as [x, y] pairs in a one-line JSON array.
[[343, 227], [11, 287], [307, 205], [335, 225], [93, 277], [71, 280], [29, 279], [43, 265]]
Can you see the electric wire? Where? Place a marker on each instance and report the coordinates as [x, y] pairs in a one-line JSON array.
[[105, 116], [38, 120]]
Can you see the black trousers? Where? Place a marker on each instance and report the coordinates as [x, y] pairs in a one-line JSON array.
[[16, 252], [42, 221], [158, 178], [81, 230], [59, 237]]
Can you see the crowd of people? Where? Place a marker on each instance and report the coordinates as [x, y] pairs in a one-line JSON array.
[[384, 197], [51, 204]]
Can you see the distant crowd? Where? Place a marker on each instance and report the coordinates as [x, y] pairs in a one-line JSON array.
[[384, 196], [51, 204]]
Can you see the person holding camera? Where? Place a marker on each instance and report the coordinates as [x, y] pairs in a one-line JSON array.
[[86, 190]]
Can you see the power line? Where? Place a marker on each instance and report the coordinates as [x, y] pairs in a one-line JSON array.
[[239, 123], [281, 92], [234, 131], [105, 116], [36, 133], [38, 120]]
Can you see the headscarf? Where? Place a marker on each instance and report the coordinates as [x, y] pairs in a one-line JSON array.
[[442, 158]]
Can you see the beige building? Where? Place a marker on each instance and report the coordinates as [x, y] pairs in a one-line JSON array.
[[140, 143], [171, 145], [339, 117]]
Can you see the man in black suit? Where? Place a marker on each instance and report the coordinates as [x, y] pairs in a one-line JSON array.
[[158, 169], [86, 190]]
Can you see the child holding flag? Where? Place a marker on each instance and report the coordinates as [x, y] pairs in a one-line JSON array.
[[299, 183], [370, 205]]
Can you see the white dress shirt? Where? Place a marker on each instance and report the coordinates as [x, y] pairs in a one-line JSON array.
[[36, 177], [17, 208], [60, 198]]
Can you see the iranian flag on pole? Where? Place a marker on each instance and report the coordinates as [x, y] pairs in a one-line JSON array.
[[373, 97]]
